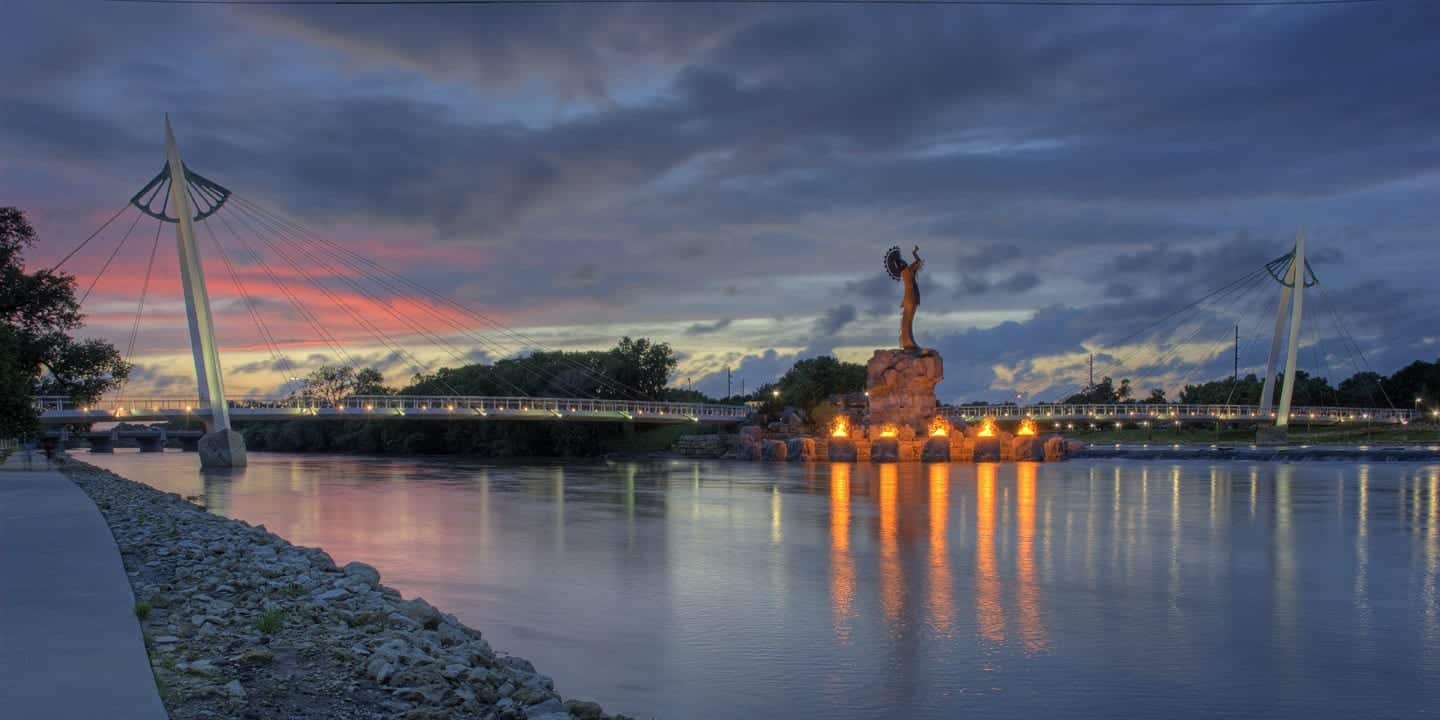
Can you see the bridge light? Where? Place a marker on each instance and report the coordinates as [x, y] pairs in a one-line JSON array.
[[450, 408], [187, 408], [368, 408]]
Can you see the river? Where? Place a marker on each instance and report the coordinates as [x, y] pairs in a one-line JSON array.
[[680, 589]]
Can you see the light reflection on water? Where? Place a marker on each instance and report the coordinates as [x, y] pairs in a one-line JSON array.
[[723, 590]]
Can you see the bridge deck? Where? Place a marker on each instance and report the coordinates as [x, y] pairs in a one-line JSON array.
[[57, 411], [394, 407]]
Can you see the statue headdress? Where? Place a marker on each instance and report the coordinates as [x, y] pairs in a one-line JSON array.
[[895, 263]]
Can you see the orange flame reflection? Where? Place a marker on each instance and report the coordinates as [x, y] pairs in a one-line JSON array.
[[987, 427], [1027, 427]]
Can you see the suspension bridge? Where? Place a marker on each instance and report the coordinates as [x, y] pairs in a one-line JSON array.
[[397, 314]]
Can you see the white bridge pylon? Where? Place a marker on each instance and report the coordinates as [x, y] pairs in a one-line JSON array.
[[1293, 281]]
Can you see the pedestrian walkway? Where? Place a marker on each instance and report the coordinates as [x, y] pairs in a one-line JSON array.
[[70, 646]]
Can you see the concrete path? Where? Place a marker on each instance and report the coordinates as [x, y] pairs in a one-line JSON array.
[[70, 646]]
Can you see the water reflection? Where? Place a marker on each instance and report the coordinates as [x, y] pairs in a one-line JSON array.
[[1019, 590], [1032, 632], [942, 605], [989, 614], [842, 565]]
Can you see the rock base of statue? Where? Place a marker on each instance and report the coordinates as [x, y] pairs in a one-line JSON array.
[[901, 385]]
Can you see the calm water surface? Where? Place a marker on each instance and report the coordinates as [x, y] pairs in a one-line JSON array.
[[724, 590]]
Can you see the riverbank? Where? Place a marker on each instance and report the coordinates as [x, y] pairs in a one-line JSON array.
[[239, 623]]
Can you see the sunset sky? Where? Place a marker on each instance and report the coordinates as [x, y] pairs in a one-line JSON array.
[[727, 179]]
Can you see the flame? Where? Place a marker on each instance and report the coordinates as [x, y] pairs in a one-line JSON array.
[[840, 427], [938, 427], [889, 430], [1027, 427], [987, 427]]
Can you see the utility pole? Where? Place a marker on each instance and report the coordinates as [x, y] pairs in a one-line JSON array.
[[1235, 374], [727, 381], [1092, 372]]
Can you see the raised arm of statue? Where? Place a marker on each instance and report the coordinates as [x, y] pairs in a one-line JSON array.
[[915, 253]]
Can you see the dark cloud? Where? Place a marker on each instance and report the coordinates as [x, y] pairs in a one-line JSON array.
[[1020, 282], [834, 319], [591, 165], [1119, 290], [706, 329]]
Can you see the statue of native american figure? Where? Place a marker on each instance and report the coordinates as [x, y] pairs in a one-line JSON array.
[[905, 272]]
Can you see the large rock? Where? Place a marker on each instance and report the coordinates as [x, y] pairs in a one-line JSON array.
[[774, 450], [1056, 448], [937, 449], [364, 572], [987, 449], [222, 449], [901, 384], [750, 442], [841, 450], [802, 449], [1028, 448], [885, 450]]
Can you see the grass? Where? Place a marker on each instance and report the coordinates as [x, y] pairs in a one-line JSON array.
[[660, 438], [270, 621], [142, 609], [294, 590]]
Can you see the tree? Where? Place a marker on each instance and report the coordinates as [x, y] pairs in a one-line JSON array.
[[330, 382], [38, 311], [642, 365], [810, 382], [333, 383], [369, 381], [1157, 397], [1102, 393]]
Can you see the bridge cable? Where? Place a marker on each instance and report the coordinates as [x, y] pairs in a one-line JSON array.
[[1250, 334], [351, 258], [385, 340], [305, 314], [261, 327], [552, 379], [140, 308], [87, 240], [1242, 283], [524, 340], [1241, 302], [110, 259], [1178, 347], [378, 302], [1339, 321]]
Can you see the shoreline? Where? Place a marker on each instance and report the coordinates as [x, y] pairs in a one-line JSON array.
[[241, 623]]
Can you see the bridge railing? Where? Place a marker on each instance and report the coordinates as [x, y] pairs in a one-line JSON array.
[[1142, 412], [401, 405]]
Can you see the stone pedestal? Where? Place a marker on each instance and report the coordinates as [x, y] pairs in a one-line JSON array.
[[774, 450], [1029, 448], [937, 449], [841, 450], [1271, 435], [901, 385], [802, 449], [222, 448], [987, 449], [885, 450]]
